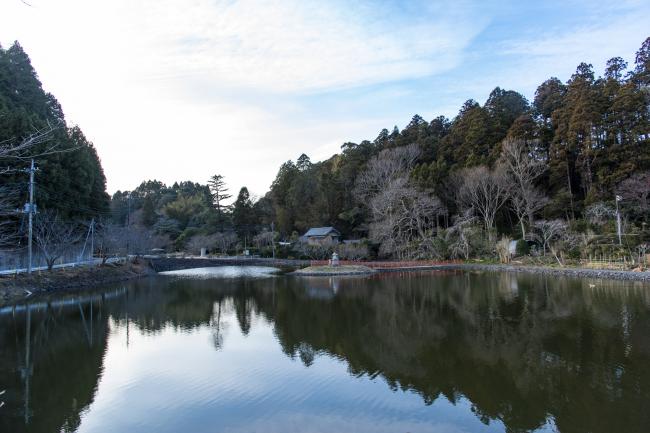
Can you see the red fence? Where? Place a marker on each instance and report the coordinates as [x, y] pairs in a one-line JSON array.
[[388, 265]]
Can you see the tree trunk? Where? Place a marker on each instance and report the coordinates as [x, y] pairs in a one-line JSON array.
[[568, 178]]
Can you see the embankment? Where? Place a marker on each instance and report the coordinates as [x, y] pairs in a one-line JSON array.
[[20, 287]]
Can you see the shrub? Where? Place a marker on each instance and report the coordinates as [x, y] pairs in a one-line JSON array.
[[503, 249], [522, 249], [358, 251]]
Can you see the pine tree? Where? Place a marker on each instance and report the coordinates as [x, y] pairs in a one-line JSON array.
[[219, 193]]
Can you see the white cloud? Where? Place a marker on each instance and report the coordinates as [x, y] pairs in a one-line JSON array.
[[295, 45], [183, 89]]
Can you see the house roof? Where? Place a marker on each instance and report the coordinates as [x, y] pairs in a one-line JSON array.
[[320, 231]]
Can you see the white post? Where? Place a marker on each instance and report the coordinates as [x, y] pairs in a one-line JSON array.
[[92, 242], [618, 221]]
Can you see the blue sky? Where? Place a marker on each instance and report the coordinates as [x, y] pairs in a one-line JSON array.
[[183, 89]]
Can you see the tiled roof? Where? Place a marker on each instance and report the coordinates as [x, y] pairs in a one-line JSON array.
[[321, 231]]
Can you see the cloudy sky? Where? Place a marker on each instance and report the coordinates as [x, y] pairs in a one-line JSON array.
[[183, 89]]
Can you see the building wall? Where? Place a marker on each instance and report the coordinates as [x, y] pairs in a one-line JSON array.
[[325, 240]]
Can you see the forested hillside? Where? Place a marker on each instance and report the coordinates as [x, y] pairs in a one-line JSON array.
[[547, 169], [591, 134], [70, 180]]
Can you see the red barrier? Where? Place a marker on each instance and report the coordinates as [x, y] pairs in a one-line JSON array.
[[389, 265]]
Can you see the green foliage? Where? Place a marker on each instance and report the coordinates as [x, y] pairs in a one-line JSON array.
[[70, 179], [148, 212], [522, 248], [242, 213], [185, 208], [591, 134]]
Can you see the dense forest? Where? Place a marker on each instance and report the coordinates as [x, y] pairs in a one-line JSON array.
[[547, 170], [553, 172], [69, 181], [70, 178]]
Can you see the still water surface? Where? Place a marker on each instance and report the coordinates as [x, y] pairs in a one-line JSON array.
[[243, 350]]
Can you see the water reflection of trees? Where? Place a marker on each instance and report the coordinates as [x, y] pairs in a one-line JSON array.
[[49, 364], [51, 354], [521, 348]]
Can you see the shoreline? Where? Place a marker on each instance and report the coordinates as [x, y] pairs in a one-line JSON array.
[[16, 289], [603, 274]]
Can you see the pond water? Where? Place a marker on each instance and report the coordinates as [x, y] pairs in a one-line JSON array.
[[244, 350]]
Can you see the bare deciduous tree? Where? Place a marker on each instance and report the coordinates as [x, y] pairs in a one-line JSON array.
[[385, 168], [355, 251], [599, 213], [8, 232], [226, 241], [111, 240], [315, 251], [549, 231], [522, 169], [636, 191], [24, 148], [483, 191], [118, 241], [142, 240], [221, 242], [196, 243], [53, 236], [457, 236], [402, 216], [264, 239]]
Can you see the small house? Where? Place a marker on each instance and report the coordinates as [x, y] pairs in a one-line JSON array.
[[321, 236]]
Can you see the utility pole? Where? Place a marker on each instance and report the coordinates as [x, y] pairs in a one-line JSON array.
[[30, 209], [128, 224], [618, 221], [91, 230]]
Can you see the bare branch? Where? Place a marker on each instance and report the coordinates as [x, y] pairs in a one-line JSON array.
[[54, 236], [549, 231], [522, 169], [483, 191]]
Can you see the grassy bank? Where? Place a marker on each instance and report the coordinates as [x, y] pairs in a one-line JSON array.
[[334, 270]]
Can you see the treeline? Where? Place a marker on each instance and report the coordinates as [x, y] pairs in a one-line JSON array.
[[70, 180], [547, 170], [591, 134]]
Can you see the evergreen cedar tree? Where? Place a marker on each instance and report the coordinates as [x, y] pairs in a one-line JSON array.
[[70, 182], [592, 133]]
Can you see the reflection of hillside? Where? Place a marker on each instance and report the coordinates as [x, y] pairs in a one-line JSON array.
[[519, 347], [63, 355], [523, 349], [67, 344]]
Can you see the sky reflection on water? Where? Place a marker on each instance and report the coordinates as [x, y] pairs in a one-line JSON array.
[[426, 352]]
